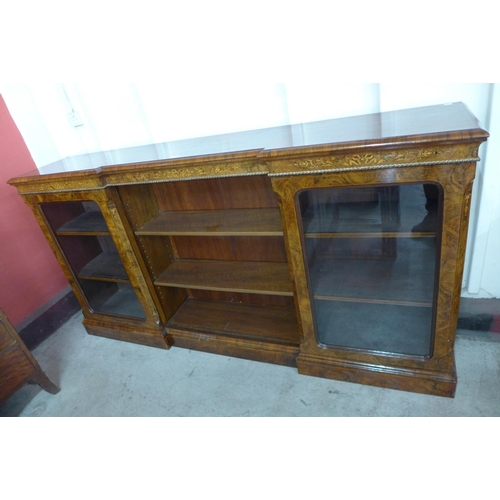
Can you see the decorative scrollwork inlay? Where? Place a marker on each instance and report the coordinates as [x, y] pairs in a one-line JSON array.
[[373, 167], [379, 158], [368, 159]]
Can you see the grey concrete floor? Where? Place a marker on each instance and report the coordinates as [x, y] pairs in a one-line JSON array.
[[102, 377]]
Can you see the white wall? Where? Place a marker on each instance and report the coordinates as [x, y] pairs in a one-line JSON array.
[[483, 249], [133, 114], [23, 104]]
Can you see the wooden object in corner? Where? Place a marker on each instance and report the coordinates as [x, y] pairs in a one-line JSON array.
[[17, 365]]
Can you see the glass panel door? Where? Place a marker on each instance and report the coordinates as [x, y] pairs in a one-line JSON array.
[[85, 240], [371, 256]]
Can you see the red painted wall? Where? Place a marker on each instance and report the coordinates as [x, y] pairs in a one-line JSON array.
[[29, 273]]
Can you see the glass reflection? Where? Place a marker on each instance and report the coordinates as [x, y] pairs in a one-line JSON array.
[[371, 256], [90, 252]]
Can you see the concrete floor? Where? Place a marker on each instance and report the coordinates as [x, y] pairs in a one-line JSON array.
[[101, 377]]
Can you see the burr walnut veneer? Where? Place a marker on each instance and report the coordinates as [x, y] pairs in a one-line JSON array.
[[336, 246]]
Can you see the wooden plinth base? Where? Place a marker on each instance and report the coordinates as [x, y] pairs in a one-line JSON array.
[[266, 352], [424, 382], [152, 338]]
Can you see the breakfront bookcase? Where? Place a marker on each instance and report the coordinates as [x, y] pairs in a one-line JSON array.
[[336, 247]]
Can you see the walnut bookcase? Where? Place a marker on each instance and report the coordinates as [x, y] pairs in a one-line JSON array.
[[336, 247]]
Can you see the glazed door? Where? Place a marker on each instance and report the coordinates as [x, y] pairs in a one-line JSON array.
[[91, 240], [89, 249], [371, 255], [377, 257]]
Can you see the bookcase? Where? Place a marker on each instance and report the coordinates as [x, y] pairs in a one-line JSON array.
[[335, 247]]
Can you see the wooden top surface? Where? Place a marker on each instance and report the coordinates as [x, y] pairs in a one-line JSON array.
[[441, 123]]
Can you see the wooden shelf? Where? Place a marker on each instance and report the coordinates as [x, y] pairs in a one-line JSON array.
[[275, 324], [381, 234], [248, 222], [231, 276], [408, 279], [105, 267], [365, 300], [88, 223]]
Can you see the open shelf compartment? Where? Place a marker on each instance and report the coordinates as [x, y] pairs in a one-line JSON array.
[[276, 324]]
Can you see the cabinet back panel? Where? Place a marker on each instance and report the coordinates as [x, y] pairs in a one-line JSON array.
[[216, 194], [58, 214], [242, 248], [245, 298], [79, 251]]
